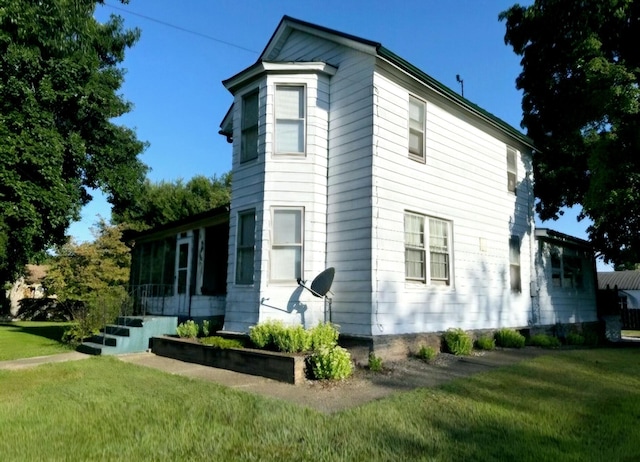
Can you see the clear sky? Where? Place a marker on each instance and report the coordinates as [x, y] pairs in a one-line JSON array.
[[188, 47]]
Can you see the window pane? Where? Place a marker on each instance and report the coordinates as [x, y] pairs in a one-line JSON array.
[[249, 128], [287, 227], [414, 264], [511, 159], [250, 110], [414, 230], [416, 113], [246, 231], [439, 266], [289, 102], [244, 266], [286, 263], [290, 136], [438, 236], [514, 250], [249, 145], [416, 142]]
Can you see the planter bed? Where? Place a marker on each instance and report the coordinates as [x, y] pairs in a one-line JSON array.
[[277, 366]]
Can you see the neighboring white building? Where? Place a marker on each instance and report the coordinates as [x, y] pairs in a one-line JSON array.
[[347, 156]]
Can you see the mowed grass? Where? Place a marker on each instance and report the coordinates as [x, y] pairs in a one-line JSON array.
[[28, 339], [572, 405]]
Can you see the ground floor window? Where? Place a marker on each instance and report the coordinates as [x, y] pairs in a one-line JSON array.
[[286, 244], [246, 240], [427, 249]]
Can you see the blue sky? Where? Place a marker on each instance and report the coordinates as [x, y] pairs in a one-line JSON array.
[[174, 77]]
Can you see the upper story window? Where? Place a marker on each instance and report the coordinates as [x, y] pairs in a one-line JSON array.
[[417, 110], [245, 246], [249, 127], [512, 169], [290, 113], [427, 263], [287, 244]]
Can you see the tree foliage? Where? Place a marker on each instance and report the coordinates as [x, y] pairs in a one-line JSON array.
[[59, 79], [164, 202], [581, 106], [90, 279]]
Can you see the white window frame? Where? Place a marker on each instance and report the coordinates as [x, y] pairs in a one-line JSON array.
[[515, 274], [282, 246], [301, 120], [245, 251], [249, 128], [422, 246], [417, 127], [512, 169]]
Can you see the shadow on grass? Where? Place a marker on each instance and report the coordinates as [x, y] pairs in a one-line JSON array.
[[51, 331]]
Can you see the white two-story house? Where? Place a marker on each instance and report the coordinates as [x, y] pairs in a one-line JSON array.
[[347, 156]]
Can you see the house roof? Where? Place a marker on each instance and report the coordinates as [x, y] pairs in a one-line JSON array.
[[210, 217], [558, 237], [289, 24], [625, 280]]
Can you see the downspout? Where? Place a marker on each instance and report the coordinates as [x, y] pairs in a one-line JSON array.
[[534, 289]]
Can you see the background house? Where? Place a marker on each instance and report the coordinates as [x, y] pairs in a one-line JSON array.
[[347, 156]]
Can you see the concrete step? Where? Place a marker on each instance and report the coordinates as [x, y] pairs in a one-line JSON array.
[[131, 321], [121, 331], [105, 339]]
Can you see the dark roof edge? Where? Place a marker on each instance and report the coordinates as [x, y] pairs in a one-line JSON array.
[[558, 236], [450, 94], [211, 213]]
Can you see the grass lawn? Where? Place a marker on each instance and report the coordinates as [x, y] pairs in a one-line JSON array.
[[631, 333], [572, 405], [28, 339]]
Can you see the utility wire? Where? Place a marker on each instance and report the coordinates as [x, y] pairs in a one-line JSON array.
[[199, 34]]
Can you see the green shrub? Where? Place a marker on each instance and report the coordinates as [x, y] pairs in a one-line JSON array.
[[292, 339], [330, 363], [509, 338], [324, 335], [205, 328], [263, 334], [458, 342], [221, 342], [485, 342], [573, 338], [427, 353], [188, 329], [375, 363], [544, 340]]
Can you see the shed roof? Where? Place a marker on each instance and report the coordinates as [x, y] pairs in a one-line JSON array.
[[625, 280]]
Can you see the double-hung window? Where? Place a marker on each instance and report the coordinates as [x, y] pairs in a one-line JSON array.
[[287, 244], [290, 114], [512, 170], [245, 247], [427, 249], [417, 110], [514, 264], [566, 268], [249, 127]]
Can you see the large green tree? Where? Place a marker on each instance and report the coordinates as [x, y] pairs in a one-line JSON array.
[[581, 106], [166, 201], [59, 83]]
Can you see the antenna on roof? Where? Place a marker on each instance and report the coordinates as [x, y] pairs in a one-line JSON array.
[[461, 82], [320, 287]]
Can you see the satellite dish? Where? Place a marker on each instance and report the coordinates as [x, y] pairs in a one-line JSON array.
[[321, 284]]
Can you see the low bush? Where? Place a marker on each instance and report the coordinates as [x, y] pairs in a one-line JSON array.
[[509, 338], [427, 353], [485, 342], [205, 328], [375, 363], [263, 334], [573, 338], [458, 342], [330, 364], [188, 329], [292, 339], [221, 342], [324, 335], [544, 340]]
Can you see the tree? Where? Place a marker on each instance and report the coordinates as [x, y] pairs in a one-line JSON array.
[[581, 106], [90, 279], [163, 202], [59, 79]]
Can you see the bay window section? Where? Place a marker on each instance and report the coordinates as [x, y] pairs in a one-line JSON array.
[[249, 127], [287, 244], [245, 247], [290, 114]]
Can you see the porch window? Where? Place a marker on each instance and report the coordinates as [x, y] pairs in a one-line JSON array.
[[417, 109], [566, 268], [432, 267], [287, 244], [514, 264], [245, 247], [290, 119], [249, 127], [512, 170]]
